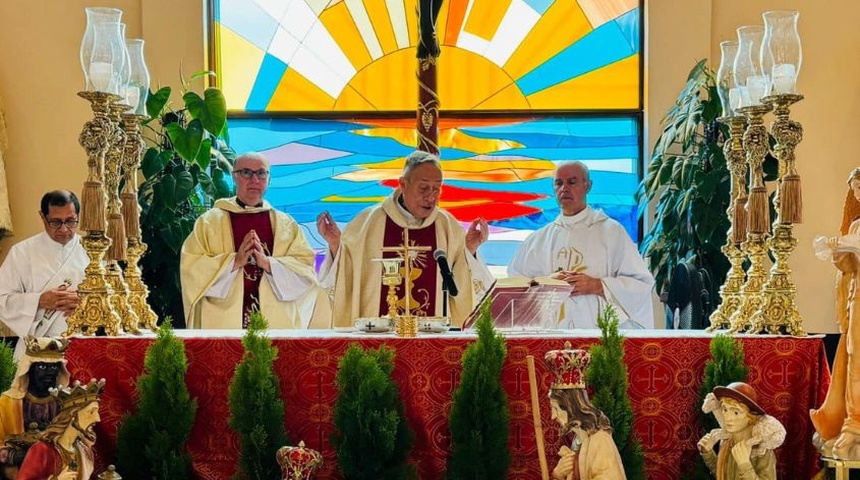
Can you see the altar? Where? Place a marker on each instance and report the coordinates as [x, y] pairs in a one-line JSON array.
[[665, 370]]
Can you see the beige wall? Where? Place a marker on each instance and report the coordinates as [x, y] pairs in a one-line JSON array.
[[40, 74]]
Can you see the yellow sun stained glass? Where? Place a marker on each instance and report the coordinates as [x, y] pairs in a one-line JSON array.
[[353, 56]]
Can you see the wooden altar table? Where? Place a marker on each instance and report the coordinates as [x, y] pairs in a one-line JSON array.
[[665, 370]]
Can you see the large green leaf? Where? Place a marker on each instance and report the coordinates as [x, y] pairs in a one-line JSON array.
[[204, 155], [186, 141], [155, 103], [211, 110], [184, 184]]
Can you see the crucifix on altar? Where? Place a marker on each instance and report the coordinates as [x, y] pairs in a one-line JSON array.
[[405, 324]]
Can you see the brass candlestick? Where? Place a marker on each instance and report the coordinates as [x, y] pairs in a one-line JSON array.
[[755, 143], [778, 312], [94, 309], [406, 325], [730, 291], [116, 226], [138, 292]]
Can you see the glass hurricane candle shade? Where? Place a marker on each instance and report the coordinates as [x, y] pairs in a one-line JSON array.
[[751, 82], [125, 70], [95, 16], [108, 55], [138, 84], [726, 78], [781, 53]]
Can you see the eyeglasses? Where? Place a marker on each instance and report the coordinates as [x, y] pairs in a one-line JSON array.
[[247, 173], [59, 223]]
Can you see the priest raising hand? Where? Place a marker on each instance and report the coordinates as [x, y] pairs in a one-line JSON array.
[[244, 255], [356, 281], [477, 234]]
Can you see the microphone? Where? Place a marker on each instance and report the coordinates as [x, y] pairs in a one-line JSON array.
[[445, 270]]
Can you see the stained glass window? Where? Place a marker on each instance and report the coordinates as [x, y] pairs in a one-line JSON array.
[[524, 85]]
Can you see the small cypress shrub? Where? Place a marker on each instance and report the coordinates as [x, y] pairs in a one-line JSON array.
[[725, 366], [607, 375], [479, 419], [151, 441], [256, 407], [8, 366], [372, 439]]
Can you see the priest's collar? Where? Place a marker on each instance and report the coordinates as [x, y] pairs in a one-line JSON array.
[[245, 205], [410, 219], [577, 218]]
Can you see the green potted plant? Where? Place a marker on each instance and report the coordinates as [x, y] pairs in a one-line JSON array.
[[186, 168], [480, 417], [688, 184]]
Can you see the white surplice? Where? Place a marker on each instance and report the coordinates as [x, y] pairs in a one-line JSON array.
[[591, 243], [33, 266]]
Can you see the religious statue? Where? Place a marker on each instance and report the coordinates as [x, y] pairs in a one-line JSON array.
[[27, 407], [747, 435], [65, 451], [298, 463], [836, 423], [593, 454]]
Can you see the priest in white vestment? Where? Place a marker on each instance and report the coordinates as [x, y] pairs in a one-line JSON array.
[[354, 280], [243, 255], [590, 251], [39, 278]]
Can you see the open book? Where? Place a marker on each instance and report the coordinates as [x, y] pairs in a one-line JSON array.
[[525, 303]]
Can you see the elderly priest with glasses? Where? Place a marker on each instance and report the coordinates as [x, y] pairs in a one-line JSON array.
[[39, 277], [244, 255]]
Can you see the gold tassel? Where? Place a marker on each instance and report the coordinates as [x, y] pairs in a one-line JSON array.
[[131, 215], [758, 209], [92, 207], [739, 221], [116, 232], [790, 200]]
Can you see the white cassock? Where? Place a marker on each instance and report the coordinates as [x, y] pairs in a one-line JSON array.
[[35, 265], [594, 244]]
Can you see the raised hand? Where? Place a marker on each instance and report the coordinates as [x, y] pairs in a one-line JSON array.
[[477, 234], [329, 230]]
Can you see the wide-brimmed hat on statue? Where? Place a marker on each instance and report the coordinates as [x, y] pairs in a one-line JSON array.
[[567, 367], [741, 393]]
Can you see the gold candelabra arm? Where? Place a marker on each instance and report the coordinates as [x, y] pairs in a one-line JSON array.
[[730, 291], [778, 312]]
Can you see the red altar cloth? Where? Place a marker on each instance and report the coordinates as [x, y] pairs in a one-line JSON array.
[[790, 375]]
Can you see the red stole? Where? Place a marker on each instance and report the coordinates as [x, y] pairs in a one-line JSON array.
[[243, 223], [423, 292]]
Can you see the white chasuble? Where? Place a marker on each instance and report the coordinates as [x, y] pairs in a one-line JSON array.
[[594, 244]]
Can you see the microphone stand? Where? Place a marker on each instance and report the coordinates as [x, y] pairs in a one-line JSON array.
[[445, 303]]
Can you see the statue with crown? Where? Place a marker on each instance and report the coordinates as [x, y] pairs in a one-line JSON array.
[[592, 454], [65, 449], [27, 407]]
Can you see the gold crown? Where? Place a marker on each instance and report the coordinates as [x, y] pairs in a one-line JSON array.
[[45, 347], [568, 367], [298, 463], [78, 394]]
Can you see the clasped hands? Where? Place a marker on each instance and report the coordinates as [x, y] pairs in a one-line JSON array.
[[582, 284], [60, 299], [252, 248]]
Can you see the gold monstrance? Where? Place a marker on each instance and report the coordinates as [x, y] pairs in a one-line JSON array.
[[405, 325]]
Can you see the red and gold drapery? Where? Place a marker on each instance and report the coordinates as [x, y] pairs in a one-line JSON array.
[[790, 375]]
